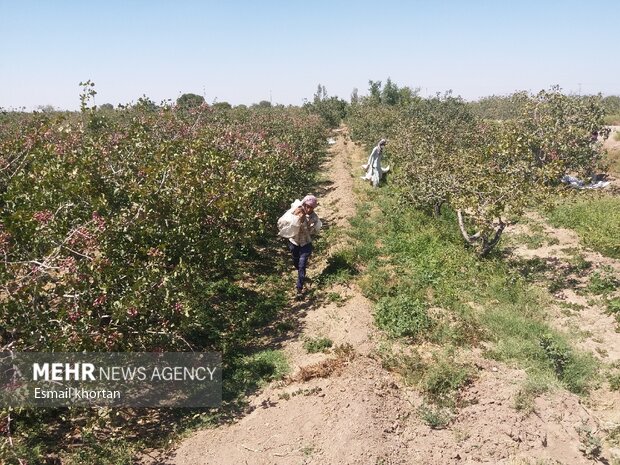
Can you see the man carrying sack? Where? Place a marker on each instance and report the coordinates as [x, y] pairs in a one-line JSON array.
[[298, 225]]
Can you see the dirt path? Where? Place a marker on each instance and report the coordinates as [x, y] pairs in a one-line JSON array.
[[575, 306], [612, 143], [359, 413]]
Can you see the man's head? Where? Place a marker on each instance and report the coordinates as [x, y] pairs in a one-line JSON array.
[[382, 142], [310, 202]]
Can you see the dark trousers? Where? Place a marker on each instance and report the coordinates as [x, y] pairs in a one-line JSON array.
[[300, 261]]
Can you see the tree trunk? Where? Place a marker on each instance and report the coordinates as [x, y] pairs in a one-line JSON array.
[[485, 245], [489, 245], [469, 239], [437, 209]]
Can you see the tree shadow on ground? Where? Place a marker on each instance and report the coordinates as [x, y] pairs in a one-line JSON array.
[[555, 273]]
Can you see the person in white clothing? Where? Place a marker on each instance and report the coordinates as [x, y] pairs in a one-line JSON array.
[[298, 225], [374, 171]]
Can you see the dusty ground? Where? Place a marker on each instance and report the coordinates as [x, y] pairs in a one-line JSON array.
[[363, 414], [611, 143], [589, 317]]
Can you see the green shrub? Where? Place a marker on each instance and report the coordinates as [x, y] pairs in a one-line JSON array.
[[250, 372], [320, 344], [443, 379], [410, 366], [557, 353], [402, 316]]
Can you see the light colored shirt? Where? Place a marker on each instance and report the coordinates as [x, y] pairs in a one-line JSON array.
[[308, 225]]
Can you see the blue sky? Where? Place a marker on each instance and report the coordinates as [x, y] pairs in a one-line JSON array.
[[247, 51]]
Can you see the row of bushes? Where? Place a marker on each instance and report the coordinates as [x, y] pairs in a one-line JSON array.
[[488, 171], [115, 228], [143, 228]]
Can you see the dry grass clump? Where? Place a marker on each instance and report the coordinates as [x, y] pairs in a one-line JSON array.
[[344, 354]]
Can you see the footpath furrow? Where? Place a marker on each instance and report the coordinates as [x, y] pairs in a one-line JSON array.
[[344, 407]]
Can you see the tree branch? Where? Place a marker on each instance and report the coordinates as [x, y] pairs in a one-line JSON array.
[[469, 239]]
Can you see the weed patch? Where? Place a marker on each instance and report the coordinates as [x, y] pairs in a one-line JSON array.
[[590, 444], [320, 344], [525, 397], [614, 381], [337, 298], [613, 308], [409, 366], [435, 417], [596, 220], [340, 268], [443, 380], [253, 371], [603, 282], [402, 316], [574, 370]]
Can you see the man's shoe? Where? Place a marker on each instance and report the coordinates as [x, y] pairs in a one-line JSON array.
[[299, 294]]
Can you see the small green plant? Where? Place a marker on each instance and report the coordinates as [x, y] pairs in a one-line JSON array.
[[345, 351], [410, 366], [443, 379], [613, 308], [613, 435], [557, 283], [558, 354], [337, 298], [402, 316], [591, 445], [603, 282], [578, 263], [614, 381], [461, 435], [525, 397], [435, 417], [320, 344], [524, 402], [308, 450]]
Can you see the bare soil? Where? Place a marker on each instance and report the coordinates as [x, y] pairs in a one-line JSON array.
[[612, 146], [348, 409], [611, 143], [598, 329]]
